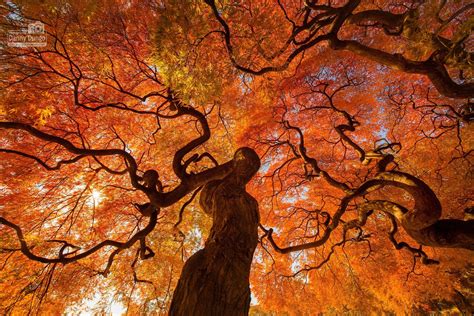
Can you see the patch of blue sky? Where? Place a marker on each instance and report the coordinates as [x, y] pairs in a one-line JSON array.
[[382, 68], [276, 230], [245, 81], [265, 166], [324, 73], [380, 98], [196, 233], [382, 132], [299, 194], [253, 299], [299, 260], [15, 12]]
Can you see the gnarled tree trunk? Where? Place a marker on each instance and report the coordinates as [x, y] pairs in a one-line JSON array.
[[423, 222], [215, 280]]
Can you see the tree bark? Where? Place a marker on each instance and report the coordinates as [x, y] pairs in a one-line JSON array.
[[423, 222], [448, 233], [215, 280]]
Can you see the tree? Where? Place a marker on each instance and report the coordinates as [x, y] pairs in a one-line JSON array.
[[357, 115]]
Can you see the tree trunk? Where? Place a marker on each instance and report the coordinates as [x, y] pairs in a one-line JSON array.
[[215, 280], [450, 233]]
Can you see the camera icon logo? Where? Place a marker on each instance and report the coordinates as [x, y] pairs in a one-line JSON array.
[[36, 28]]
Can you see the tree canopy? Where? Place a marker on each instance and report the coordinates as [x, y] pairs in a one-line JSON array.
[[117, 132]]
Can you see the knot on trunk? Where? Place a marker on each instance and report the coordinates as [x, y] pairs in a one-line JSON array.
[[245, 165]]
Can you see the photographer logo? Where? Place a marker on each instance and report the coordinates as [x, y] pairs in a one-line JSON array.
[[36, 28], [32, 36]]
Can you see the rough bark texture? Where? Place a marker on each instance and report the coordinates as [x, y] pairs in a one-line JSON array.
[[215, 280]]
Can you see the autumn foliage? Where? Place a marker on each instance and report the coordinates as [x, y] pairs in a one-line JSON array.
[[360, 111]]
